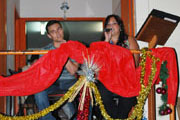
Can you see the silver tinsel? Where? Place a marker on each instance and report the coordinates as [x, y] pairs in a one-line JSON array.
[[89, 69]]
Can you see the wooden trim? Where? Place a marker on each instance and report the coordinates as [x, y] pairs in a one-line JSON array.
[[67, 19], [39, 52], [125, 14], [3, 46], [172, 115], [20, 41], [17, 37], [151, 104], [133, 17], [151, 96], [128, 16], [3, 36]]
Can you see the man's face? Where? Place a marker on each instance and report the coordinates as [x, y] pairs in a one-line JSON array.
[[56, 33]]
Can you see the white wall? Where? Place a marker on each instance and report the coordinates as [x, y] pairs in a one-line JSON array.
[[143, 8], [78, 8], [116, 7]]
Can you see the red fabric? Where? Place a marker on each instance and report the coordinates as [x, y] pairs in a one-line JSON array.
[[117, 71], [169, 55], [37, 78], [117, 68]]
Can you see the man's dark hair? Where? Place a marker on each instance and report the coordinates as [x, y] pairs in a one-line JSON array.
[[51, 22]]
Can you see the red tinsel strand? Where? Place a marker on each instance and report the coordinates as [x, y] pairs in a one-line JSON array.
[[83, 114]]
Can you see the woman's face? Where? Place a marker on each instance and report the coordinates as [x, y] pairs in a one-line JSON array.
[[114, 25]]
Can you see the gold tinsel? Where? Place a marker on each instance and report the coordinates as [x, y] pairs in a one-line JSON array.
[[73, 91], [138, 109], [47, 110]]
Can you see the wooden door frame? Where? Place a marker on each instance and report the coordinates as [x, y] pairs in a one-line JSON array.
[[3, 36], [20, 35], [3, 46], [128, 16]]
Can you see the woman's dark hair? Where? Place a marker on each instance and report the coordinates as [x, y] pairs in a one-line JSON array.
[[51, 22], [123, 36]]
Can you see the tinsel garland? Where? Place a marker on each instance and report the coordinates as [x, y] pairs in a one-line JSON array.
[[83, 113], [136, 113], [51, 108], [89, 70]]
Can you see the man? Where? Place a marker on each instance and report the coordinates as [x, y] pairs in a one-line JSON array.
[[67, 79]]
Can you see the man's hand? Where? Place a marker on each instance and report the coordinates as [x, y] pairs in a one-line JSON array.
[[72, 67]]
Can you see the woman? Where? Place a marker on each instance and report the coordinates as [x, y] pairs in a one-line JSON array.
[[117, 36], [117, 106]]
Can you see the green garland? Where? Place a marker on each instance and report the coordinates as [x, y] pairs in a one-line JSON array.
[[164, 109]]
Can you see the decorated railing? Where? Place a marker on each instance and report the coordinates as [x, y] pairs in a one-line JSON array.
[[86, 86]]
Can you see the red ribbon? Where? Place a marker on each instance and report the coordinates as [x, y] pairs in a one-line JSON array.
[[84, 113]]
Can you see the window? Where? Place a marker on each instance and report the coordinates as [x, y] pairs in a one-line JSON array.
[[85, 32]]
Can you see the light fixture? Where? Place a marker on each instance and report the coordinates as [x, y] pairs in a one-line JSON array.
[[64, 7]]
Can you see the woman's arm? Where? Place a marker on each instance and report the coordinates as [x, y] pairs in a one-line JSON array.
[[133, 45]]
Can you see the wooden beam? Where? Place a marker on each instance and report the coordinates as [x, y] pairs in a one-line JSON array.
[[128, 16], [172, 115], [37, 52], [22, 52], [153, 42], [3, 46], [151, 96]]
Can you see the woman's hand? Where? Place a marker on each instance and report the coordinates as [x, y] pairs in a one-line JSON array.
[[108, 36]]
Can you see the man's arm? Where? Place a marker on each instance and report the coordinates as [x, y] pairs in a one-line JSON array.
[[72, 67]]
